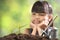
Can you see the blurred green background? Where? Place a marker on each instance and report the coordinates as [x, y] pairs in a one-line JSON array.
[[15, 14]]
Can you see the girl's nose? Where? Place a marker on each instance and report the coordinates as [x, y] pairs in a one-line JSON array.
[[37, 16]]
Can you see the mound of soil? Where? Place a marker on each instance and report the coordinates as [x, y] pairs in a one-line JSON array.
[[23, 37]]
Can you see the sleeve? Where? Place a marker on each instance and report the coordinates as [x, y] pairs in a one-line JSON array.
[[53, 33]]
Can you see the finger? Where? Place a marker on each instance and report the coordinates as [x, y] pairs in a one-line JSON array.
[[32, 25]]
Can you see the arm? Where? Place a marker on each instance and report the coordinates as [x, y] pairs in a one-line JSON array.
[[34, 31], [33, 26]]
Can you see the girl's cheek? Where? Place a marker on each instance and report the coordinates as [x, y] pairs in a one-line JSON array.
[[32, 18], [41, 19]]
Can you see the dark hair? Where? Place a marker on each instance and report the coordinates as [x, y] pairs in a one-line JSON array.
[[38, 7], [50, 9], [49, 6]]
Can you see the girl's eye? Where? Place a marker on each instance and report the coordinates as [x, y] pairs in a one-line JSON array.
[[42, 14], [33, 13]]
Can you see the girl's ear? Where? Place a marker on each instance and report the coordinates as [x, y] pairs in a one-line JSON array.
[[50, 17]]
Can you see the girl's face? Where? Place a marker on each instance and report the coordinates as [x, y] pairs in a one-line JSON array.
[[38, 17]]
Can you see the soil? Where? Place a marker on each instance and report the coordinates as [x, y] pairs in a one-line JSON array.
[[14, 36]]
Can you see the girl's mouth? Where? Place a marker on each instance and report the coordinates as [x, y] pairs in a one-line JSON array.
[[36, 21]]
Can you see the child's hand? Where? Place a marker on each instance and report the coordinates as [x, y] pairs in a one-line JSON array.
[[34, 23], [34, 31], [33, 26]]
